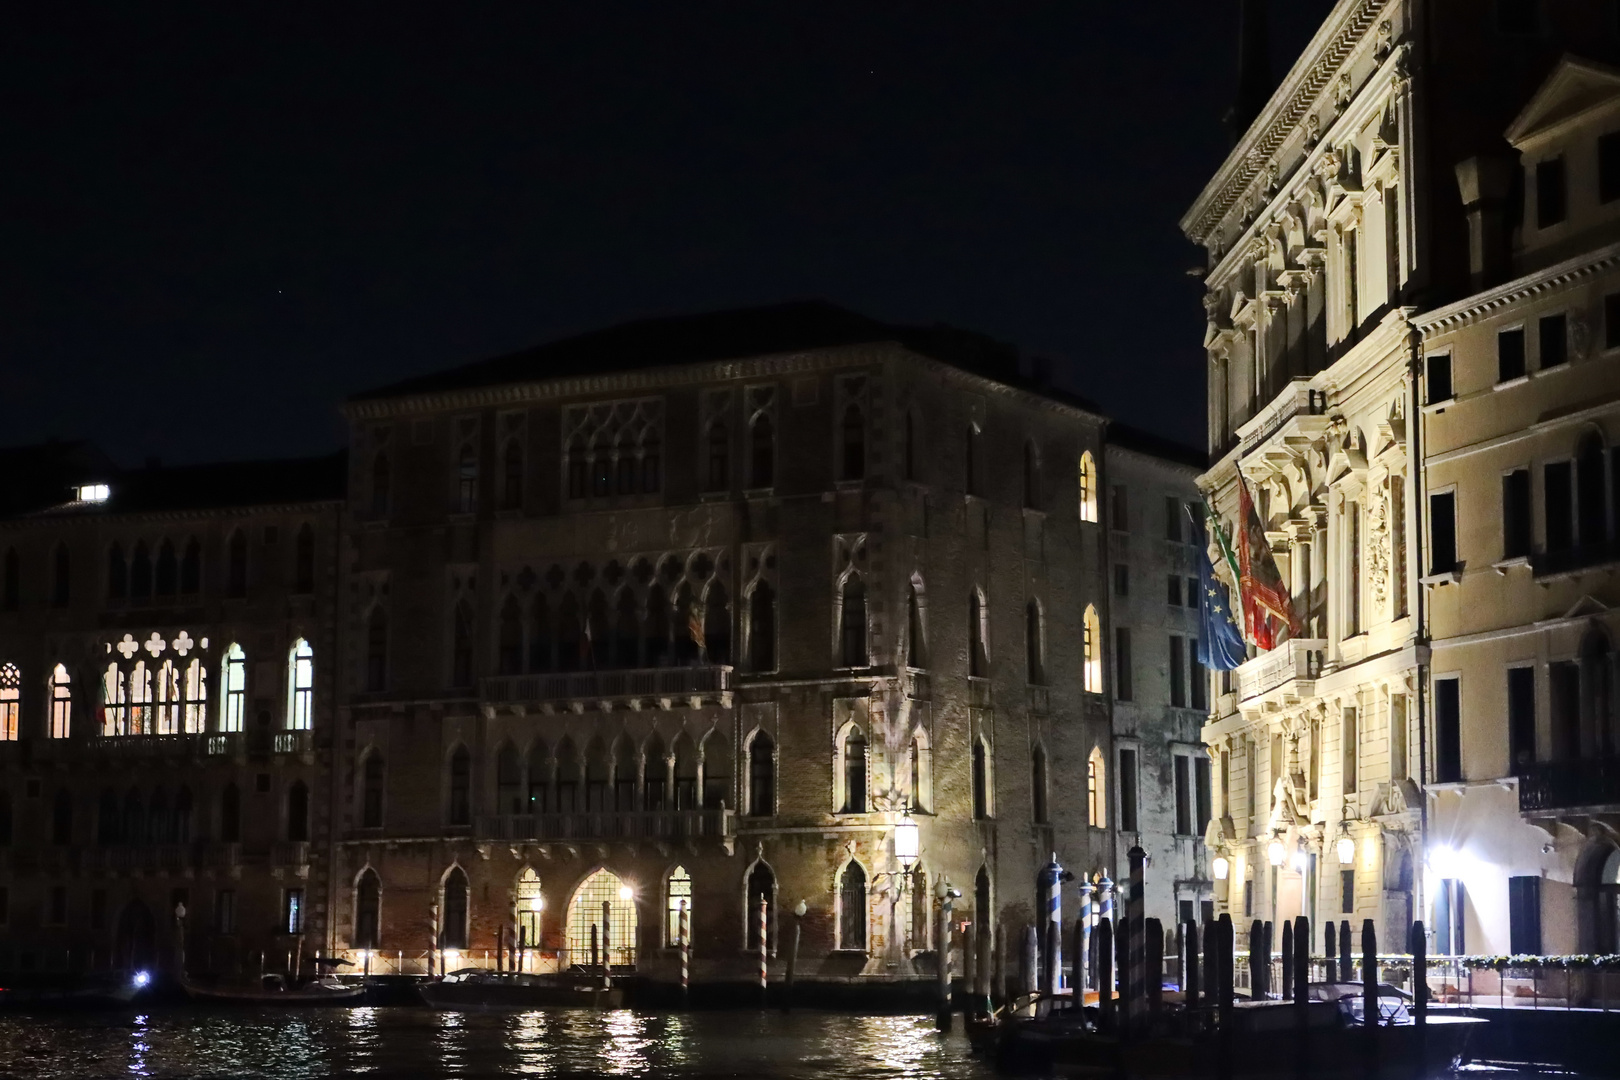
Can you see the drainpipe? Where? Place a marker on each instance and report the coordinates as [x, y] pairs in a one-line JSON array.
[[1414, 454]]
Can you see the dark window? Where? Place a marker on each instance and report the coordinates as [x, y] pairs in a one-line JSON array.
[[460, 803], [852, 908], [1122, 663], [1119, 508], [854, 773], [853, 437], [981, 783], [59, 577], [453, 929], [1172, 518], [62, 818], [916, 639], [1349, 751], [366, 911], [1128, 797], [911, 447], [1198, 677], [1447, 732], [371, 794], [1184, 795], [970, 463], [1347, 891], [512, 476], [1034, 651], [1564, 679], [1248, 898], [719, 457], [298, 812], [230, 814], [1173, 594], [978, 655], [1591, 494], [625, 454], [762, 628], [651, 465], [1521, 686], [509, 639], [1037, 779], [761, 776], [167, 578], [1553, 337], [1609, 165], [1550, 197], [191, 568], [236, 565], [1442, 532], [1201, 791], [578, 468], [1509, 354], [1516, 514], [1122, 581], [1439, 378], [1524, 916], [762, 453], [1611, 321], [1178, 673], [852, 625], [467, 481], [1559, 499]]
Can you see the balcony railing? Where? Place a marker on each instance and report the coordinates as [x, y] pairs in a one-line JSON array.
[[663, 686], [1297, 661], [716, 823], [917, 684], [1571, 559], [1567, 785], [294, 742], [1295, 399]]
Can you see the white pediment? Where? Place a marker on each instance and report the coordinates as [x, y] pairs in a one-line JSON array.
[[1587, 606], [1575, 88]]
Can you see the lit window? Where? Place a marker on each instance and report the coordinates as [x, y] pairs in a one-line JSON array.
[[140, 700], [61, 703], [1092, 648], [292, 912], [680, 899], [1096, 790], [10, 698], [94, 493], [234, 678], [168, 699], [1088, 487], [113, 707], [196, 697], [300, 686]]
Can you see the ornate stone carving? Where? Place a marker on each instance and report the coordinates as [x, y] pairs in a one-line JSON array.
[[1385, 33], [1341, 93], [1378, 545], [1313, 131]]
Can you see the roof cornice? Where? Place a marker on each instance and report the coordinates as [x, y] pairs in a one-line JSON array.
[[52, 518], [1320, 62], [1491, 301]]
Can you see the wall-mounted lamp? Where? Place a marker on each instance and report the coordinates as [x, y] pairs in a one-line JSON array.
[[1221, 867], [1347, 851], [1275, 853], [905, 843]]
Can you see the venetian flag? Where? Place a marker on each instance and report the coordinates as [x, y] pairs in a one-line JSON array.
[[1265, 597]]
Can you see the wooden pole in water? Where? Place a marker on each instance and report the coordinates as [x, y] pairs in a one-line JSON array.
[[1225, 961], [1345, 960], [1288, 961], [1301, 963], [970, 964], [998, 981], [1153, 963], [1029, 969], [1189, 965], [1123, 931], [607, 946], [986, 970], [764, 950], [595, 958], [1419, 949], [1102, 944], [1331, 951], [1257, 950], [942, 1015]]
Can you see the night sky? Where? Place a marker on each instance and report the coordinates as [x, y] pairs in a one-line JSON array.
[[219, 220]]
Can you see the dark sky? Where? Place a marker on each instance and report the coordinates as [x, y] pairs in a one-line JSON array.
[[218, 220]]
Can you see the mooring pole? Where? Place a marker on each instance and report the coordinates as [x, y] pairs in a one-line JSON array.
[[1052, 878], [1419, 949], [793, 954], [764, 951], [1103, 945], [607, 954], [1029, 969], [1082, 941], [1300, 961], [1226, 958], [1288, 961], [1346, 971], [945, 894], [686, 953], [1153, 963], [970, 966], [1330, 951], [1189, 976], [1136, 910], [1123, 932]]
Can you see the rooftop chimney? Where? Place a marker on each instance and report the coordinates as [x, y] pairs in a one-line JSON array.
[[1254, 83]]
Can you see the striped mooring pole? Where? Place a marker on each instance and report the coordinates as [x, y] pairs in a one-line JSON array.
[[1052, 878], [686, 950], [1135, 913], [764, 950], [1083, 978]]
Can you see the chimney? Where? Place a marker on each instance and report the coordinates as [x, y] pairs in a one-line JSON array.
[[1254, 82], [1484, 183]]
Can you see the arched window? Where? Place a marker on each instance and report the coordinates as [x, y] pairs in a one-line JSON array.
[[1037, 781], [114, 707], [230, 814], [461, 645], [12, 597], [854, 754], [678, 898], [596, 777], [624, 776], [298, 811], [716, 771], [304, 559], [852, 908], [233, 680], [381, 480], [540, 656], [300, 686], [1032, 477], [1034, 644], [377, 650], [467, 481], [191, 568], [133, 827], [140, 572], [1096, 790], [761, 889], [236, 565], [762, 627], [686, 773], [196, 697], [530, 903], [371, 790], [168, 699], [852, 458], [911, 446], [509, 642], [597, 649], [168, 570], [627, 630], [601, 469], [61, 703], [117, 574], [567, 776], [919, 769], [717, 624], [1088, 487], [508, 781], [10, 701], [62, 818], [852, 624], [367, 910], [982, 911], [719, 478], [570, 636], [654, 774], [140, 700], [655, 631], [453, 911], [585, 913], [916, 639], [761, 776], [981, 781], [60, 579], [578, 468], [539, 779], [106, 817], [158, 821], [512, 476], [1091, 650], [762, 452], [978, 648], [624, 452], [458, 808], [651, 464], [970, 460]]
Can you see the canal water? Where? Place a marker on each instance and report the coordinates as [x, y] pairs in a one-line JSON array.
[[402, 1042]]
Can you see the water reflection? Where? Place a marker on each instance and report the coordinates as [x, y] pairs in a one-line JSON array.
[[400, 1042]]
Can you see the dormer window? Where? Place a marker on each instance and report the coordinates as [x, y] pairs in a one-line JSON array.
[[93, 493]]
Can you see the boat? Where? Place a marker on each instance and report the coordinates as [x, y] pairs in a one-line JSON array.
[[273, 990], [476, 989]]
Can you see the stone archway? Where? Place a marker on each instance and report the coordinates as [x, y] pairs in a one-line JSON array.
[[585, 913]]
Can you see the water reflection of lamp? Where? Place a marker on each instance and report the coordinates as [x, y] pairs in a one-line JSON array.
[[1221, 867]]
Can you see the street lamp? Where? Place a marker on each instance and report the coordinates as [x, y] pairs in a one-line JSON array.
[[905, 843], [1275, 853], [1347, 851], [1221, 867]]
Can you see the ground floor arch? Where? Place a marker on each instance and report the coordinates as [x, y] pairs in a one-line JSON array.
[[586, 911]]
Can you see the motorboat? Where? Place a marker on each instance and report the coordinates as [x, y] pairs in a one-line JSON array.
[[477, 988], [273, 990]]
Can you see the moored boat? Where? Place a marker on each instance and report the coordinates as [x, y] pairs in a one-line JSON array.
[[273, 990], [475, 988]]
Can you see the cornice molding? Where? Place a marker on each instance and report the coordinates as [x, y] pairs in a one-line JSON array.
[[1492, 301], [47, 519], [1317, 67]]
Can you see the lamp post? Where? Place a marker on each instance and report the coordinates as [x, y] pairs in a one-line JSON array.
[[905, 857], [793, 954]]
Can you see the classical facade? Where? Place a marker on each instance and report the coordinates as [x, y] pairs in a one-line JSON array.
[[1519, 429], [1336, 220], [166, 643], [1161, 780]]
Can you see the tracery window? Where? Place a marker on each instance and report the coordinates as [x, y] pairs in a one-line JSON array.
[[613, 448], [978, 632], [140, 700], [167, 579], [719, 478], [61, 702], [300, 686], [1096, 790], [1091, 650], [191, 568], [678, 899], [467, 480], [852, 624], [762, 452], [852, 908], [10, 701], [168, 699], [1088, 487], [114, 704], [233, 681], [196, 699], [854, 772], [761, 776], [1034, 644]]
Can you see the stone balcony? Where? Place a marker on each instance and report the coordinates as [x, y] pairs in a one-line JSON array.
[[582, 691], [654, 826], [1284, 676], [1589, 784], [1296, 415]]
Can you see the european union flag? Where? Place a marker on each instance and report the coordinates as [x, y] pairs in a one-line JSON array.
[[1220, 642]]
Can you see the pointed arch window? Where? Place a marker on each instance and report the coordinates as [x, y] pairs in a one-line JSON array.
[[978, 646], [467, 481], [651, 464], [167, 579], [371, 790], [140, 572], [761, 776], [761, 890], [982, 808], [10, 701], [61, 702], [578, 468], [1088, 487], [970, 460], [1096, 790], [854, 772], [13, 584], [461, 646], [627, 631], [570, 637], [168, 699], [60, 577], [686, 774], [114, 707], [367, 911], [852, 908], [236, 565], [916, 639], [191, 568], [233, 683], [117, 574], [717, 624], [540, 658], [716, 771], [512, 476], [919, 774], [196, 697], [762, 627], [304, 559], [508, 781], [381, 480], [530, 903], [852, 435], [678, 898], [762, 452], [624, 453], [300, 686], [654, 774], [719, 478], [1091, 650], [458, 809], [453, 908], [1032, 477], [509, 641], [140, 700], [1034, 644], [852, 624], [1037, 780]]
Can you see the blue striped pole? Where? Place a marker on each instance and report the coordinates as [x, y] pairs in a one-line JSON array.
[[1084, 979]]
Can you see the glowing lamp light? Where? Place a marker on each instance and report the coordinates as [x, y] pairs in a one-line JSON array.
[[452, 957], [142, 978], [625, 893], [1445, 862], [800, 908], [95, 493], [905, 842], [536, 903], [1347, 851], [1275, 853], [1221, 867], [1298, 860]]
